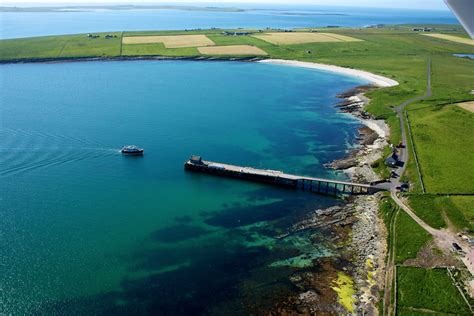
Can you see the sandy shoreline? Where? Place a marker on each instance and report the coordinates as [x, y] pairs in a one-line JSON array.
[[377, 80]]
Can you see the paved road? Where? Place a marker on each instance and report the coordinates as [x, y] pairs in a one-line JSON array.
[[443, 238], [403, 154]]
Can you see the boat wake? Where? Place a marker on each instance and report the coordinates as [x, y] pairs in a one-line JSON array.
[[24, 151]]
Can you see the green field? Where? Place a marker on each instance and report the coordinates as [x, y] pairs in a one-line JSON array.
[[465, 204], [459, 210], [67, 46], [420, 291], [444, 138], [434, 293], [410, 238], [429, 209]]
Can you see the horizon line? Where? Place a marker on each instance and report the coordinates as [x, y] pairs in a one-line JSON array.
[[200, 4]]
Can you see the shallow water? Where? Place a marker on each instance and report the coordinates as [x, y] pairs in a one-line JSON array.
[[87, 230]]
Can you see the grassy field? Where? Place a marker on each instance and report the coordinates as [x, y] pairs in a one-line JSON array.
[[69, 46], [444, 138], [465, 205], [303, 37], [433, 293], [245, 50], [429, 209], [410, 238], [420, 291], [433, 209]]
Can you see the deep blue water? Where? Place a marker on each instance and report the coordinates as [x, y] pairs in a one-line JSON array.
[[86, 230], [14, 25]]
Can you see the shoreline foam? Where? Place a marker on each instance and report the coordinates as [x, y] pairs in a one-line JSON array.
[[377, 80]]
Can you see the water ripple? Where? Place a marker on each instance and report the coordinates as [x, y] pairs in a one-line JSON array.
[[24, 151]]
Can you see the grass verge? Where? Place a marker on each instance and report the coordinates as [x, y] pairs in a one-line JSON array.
[[428, 290], [410, 238]]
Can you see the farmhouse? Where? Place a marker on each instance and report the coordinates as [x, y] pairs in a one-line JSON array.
[[236, 33], [424, 29]]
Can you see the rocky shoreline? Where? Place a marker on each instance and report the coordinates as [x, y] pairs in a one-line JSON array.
[[125, 58], [359, 232], [368, 244]]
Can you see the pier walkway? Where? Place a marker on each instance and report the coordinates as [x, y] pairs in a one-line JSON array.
[[318, 185]]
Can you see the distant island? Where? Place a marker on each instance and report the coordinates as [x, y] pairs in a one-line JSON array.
[[125, 7], [88, 8]]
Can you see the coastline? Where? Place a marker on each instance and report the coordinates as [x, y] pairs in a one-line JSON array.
[[377, 80], [367, 247], [368, 240], [123, 58], [368, 243]]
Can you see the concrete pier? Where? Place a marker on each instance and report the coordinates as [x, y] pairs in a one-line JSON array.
[[318, 185]]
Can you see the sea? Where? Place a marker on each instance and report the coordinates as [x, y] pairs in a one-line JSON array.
[[83, 223], [85, 230], [27, 24]]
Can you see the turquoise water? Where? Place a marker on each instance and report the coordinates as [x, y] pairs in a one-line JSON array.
[[27, 24], [86, 230]]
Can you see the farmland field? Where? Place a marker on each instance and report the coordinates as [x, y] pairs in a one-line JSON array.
[[434, 292], [171, 41], [232, 50], [303, 37], [433, 209], [468, 106], [410, 238], [444, 138], [452, 38]]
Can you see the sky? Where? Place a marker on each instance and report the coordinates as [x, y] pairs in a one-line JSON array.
[[409, 4]]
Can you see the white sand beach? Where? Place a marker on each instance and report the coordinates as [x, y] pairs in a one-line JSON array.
[[377, 80]]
